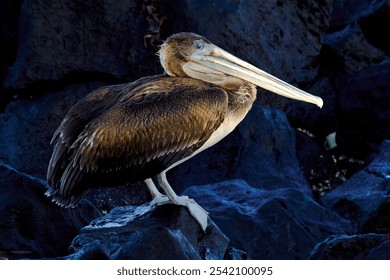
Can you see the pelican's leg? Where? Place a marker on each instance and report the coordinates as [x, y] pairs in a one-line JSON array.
[[157, 197], [199, 214]]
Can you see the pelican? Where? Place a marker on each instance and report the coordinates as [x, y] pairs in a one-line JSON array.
[[138, 131]]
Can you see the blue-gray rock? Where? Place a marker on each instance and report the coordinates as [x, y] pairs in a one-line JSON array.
[[145, 232], [350, 51], [364, 198], [31, 226], [355, 59], [59, 38], [268, 224], [353, 81], [375, 21], [347, 12], [354, 247], [9, 22], [364, 118], [27, 126]]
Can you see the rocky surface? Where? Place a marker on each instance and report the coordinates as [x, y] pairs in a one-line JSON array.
[[282, 223], [364, 122], [355, 247], [78, 38], [30, 225], [353, 80], [144, 232], [54, 52], [364, 199], [358, 69], [27, 127]]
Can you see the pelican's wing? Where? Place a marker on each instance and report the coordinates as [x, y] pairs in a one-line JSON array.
[[75, 121], [148, 130]]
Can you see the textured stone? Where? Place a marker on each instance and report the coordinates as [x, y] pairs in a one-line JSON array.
[[74, 36], [355, 247], [9, 22], [144, 232], [374, 22], [27, 126], [365, 197], [31, 226], [364, 119], [347, 12], [268, 224]]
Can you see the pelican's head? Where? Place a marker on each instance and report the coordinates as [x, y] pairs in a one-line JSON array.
[[191, 55]]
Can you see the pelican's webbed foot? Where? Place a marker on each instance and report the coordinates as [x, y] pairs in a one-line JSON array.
[[196, 211], [160, 200]]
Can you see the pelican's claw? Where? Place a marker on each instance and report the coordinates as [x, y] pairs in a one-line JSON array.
[[196, 211], [160, 200]]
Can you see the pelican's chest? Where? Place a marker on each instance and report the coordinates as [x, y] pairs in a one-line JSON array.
[[227, 126], [239, 105]]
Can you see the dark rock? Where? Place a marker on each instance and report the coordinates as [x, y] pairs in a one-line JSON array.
[[316, 164], [364, 198], [63, 37], [309, 153], [347, 52], [234, 254], [27, 126], [355, 247], [30, 224], [324, 168], [105, 199], [145, 232], [346, 81], [261, 151], [268, 151], [364, 118], [358, 69], [9, 22], [346, 12], [374, 22], [380, 252], [268, 224]]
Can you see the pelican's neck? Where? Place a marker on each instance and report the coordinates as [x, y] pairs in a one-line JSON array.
[[241, 96]]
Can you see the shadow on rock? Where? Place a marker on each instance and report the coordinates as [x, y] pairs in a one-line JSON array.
[[364, 198], [268, 224], [355, 247], [30, 225]]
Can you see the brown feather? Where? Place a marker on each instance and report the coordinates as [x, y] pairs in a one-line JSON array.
[[77, 119]]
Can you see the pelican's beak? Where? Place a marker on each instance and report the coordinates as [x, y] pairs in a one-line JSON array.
[[212, 62]]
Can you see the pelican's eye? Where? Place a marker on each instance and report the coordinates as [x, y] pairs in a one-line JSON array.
[[199, 44]]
